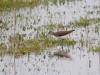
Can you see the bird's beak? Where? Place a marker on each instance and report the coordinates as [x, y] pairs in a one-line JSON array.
[[47, 34]]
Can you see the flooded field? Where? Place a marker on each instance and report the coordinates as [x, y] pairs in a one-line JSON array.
[[26, 49]]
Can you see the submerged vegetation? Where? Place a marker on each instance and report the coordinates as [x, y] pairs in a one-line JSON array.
[[20, 46], [41, 42], [83, 22], [17, 3], [37, 44], [28, 3], [95, 49]]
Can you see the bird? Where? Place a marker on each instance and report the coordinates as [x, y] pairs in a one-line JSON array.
[[59, 34]]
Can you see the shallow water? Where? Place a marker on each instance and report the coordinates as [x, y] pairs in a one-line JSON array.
[[82, 62]]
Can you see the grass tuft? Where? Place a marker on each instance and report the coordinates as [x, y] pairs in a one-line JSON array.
[[95, 49]]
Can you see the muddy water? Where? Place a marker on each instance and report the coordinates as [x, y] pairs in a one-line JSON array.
[[81, 62]]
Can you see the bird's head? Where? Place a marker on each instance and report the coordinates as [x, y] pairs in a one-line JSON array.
[[50, 32]]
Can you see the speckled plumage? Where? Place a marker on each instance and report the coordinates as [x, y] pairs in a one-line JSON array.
[[60, 33]]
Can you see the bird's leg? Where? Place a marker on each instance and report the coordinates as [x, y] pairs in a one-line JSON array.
[[62, 44]]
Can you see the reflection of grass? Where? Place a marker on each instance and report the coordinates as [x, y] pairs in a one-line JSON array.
[[95, 49]]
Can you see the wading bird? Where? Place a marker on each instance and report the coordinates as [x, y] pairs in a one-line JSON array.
[[59, 34]]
